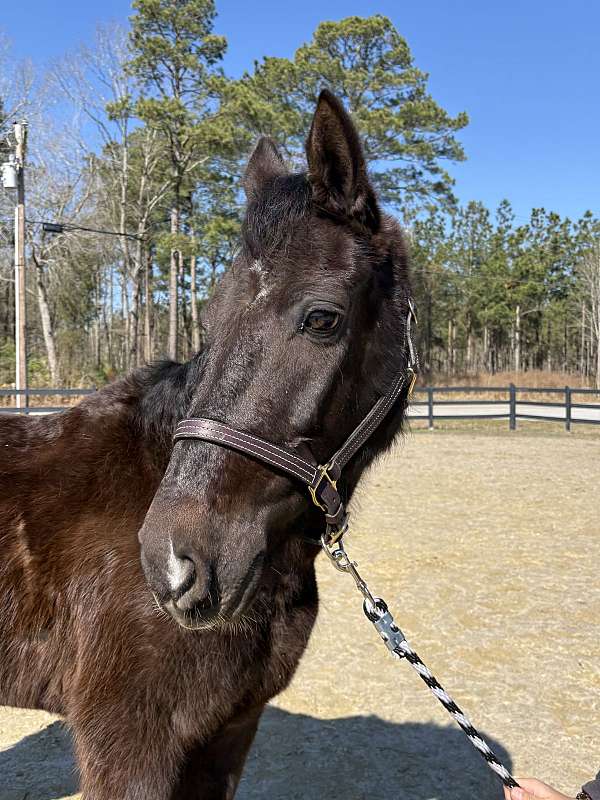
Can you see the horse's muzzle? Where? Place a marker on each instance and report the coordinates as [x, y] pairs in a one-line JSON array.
[[195, 591], [200, 602]]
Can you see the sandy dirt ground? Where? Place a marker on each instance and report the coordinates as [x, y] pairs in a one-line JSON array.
[[487, 548]]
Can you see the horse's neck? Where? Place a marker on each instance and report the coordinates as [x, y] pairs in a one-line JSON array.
[[122, 436], [164, 394]]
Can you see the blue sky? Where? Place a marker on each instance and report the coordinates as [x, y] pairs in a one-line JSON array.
[[526, 72]]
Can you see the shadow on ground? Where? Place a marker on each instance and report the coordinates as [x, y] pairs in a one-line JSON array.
[[355, 758], [39, 767], [298, 756]]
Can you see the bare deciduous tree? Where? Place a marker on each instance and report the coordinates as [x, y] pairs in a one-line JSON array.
[[96, 82], [589, 272]]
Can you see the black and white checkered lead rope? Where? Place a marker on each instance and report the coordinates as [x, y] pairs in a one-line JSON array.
[[378, 613]]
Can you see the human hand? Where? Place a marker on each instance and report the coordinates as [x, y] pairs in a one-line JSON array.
[[530, 789]]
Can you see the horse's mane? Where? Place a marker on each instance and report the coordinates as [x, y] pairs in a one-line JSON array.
[[164, 390]]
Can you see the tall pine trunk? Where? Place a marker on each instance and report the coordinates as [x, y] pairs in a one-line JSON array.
[[582, 345], [173, 284], [126, 320], [598, 344], [194, 305], [136, 299], [46, 318], [518, 339], [124, 179], [148, 307]]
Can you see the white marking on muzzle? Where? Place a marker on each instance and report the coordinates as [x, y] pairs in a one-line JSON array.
[[176, 571]]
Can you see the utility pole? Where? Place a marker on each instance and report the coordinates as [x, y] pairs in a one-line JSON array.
[[20, 131]]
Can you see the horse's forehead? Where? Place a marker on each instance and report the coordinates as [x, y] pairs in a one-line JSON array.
[[330, 254], [264, 286]]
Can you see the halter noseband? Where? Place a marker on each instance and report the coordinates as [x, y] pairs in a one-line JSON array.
[[321, 480]]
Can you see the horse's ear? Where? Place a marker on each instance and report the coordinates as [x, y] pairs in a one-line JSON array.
[[264, 164], [336, 164]]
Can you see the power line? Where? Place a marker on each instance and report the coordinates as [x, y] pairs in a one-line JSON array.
[[62, 227]]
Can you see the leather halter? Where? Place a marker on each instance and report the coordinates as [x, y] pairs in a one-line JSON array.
[[321, 479]]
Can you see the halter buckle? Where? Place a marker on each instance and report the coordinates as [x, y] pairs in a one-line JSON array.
[[413, 380], [322, 473]]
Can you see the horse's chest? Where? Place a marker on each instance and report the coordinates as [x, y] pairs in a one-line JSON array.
[[232, 672]]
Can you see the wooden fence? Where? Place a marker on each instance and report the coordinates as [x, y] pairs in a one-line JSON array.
[[512, 403], [35, 409]]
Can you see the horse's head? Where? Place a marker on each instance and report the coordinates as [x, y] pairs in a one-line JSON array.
[[305, 332]]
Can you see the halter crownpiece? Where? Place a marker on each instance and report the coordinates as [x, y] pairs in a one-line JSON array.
[[321, 479]]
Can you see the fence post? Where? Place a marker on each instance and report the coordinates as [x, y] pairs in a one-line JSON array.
[[567, 408], [430, 406], [512, 420]]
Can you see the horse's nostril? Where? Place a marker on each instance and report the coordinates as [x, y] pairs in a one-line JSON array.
[[193, 585], [207, 603]]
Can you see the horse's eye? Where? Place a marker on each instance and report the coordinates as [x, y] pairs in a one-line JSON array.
[[321, 321]]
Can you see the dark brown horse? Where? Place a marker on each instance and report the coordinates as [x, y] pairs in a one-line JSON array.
[[158, 596]]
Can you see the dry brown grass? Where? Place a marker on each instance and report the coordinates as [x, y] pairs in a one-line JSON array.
[[41, 401], [535, 378]]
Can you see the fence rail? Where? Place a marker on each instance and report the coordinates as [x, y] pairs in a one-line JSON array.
[[35, 409], [511, 406]]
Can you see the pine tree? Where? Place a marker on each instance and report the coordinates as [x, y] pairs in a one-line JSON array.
[[175, 55]]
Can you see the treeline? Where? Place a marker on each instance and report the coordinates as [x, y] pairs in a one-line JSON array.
[[495, 295], [136, 147]]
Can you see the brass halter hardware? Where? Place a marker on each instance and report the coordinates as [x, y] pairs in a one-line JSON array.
[[413, 380], [322, 473]]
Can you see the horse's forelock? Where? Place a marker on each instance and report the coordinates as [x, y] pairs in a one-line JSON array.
[[275, 214]]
